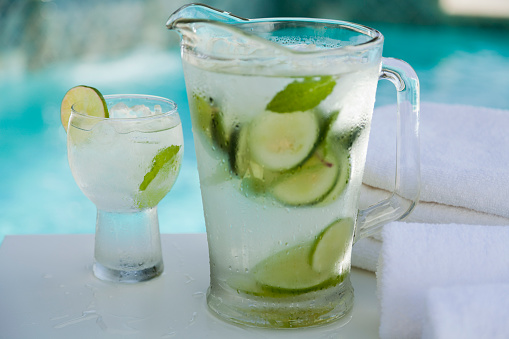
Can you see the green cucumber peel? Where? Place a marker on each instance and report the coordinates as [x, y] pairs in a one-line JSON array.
[[203, 112], [326, 125], [346, 140], [211, 121], [218, 132], [302, 95], [310, 183], [331, 244], [238, 151], [288, 272]]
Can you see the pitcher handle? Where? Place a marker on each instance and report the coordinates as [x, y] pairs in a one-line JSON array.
[[407, 181]]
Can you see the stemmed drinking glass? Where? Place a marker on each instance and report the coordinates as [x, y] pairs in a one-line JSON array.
[[125, 164]]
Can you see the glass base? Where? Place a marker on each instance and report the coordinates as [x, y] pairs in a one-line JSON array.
[[306, 310], [128, 275], [127, 246]]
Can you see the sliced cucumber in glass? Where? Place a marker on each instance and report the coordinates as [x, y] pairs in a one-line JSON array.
[[289, 272], [314, 180], [238, 153], [219, 131], [203, 110], [210, 120], [331, 244], [307, 267], [280, 142]]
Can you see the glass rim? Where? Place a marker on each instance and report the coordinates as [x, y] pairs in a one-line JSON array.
[[152, 98]]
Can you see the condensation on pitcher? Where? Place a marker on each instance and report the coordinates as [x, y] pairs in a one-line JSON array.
[[193, 318], [189, 279], [171, 334], [198, 295]]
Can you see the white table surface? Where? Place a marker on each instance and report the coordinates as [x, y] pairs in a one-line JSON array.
[[47, 290]]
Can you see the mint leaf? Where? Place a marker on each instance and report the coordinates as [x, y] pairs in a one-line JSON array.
[[162, 157], [302, 95]]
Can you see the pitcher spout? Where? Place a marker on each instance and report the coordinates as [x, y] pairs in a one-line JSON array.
[[199, 12]]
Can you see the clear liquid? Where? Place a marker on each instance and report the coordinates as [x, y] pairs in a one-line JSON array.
[[109, 163], [247, 227]]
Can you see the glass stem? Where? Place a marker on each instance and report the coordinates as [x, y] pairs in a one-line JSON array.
[[127, 245]]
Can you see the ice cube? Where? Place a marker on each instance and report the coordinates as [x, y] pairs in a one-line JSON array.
[[120, 110], [141, 111]]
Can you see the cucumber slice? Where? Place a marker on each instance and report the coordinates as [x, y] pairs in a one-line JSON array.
[[331, 244], [91, 100], [289, 272], [219, 131], [326, 123], [238, 154], [246, 283], [280, 142], [346, 140], [203, 110], [313, 181], [341, 146], [210, 120], [251, 186]]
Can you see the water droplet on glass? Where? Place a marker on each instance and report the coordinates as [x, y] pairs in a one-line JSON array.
[[189, 279], [198, 295], [193, 318]]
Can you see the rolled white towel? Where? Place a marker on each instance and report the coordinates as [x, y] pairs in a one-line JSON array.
[[467, 312], [415, 257]]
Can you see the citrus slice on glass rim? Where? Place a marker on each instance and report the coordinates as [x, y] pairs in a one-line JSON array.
[[91, 99]]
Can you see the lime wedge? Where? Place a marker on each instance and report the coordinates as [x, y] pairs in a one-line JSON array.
[[91, 100], [331, 244]]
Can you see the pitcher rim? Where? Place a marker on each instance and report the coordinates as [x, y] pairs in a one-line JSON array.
[[376, 37]]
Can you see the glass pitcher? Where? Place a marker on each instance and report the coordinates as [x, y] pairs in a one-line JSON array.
[[281, 111]]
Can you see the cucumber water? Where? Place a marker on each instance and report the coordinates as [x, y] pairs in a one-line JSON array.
[[280, 161]]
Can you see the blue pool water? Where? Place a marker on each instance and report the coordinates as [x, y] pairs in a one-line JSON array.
[[38, 194]]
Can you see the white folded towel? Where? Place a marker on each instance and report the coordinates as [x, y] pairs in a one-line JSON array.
[[467, 312], [464, 168], [416, 257], [464, 157]]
